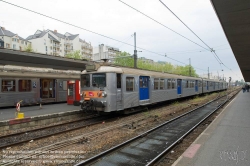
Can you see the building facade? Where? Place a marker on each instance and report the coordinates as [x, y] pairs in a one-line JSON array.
[[11, 40], [103, 52], [54, 43]]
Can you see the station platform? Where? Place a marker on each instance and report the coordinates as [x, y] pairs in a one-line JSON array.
[[226, 141], [31, 111]]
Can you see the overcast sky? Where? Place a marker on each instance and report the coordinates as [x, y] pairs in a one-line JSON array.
[[114, 19]]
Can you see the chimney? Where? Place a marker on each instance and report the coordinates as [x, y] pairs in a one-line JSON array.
[[55, 31], [3, 28]]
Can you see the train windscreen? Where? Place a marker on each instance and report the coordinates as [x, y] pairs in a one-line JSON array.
[[99, 80], [85, 80]]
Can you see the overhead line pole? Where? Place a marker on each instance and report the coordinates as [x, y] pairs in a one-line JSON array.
[[135, 53], [190, 67]]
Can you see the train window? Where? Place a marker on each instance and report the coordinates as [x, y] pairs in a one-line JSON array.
[[85, 80], [162, 84], [129, 83], [187, 82], [173, 84], [169, 84], [199, 83], [24, 85], [99, 80], [8, 85], [118, 80], [64, 85], [156, 83], [204, 84], [143, 82]]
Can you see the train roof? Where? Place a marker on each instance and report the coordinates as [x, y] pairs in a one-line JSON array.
[[132, 71], [33, 72], [107, 68]]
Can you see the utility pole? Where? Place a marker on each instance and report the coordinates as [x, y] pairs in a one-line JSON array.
[[190, 67], [135, 53], [208, 73]]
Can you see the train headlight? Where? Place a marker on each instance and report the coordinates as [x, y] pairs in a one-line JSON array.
[[99, 94], [104, 94]]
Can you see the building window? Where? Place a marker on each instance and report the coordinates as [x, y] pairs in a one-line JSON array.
[[46, 48], [129, 83], [24, 85], [8, 85], [14, 46], [7, 45], [162, 84], [25, 43]]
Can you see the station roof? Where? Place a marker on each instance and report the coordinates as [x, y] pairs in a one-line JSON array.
[[20, 58], [234, 16]]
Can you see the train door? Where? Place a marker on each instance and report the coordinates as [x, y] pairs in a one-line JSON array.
[[144, 89], [207, 85], [119, 92], [196, 85], [179, 89], [47, 88]]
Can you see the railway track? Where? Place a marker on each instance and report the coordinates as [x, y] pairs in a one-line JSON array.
[[149, 147], [77, 139], [22, 137]]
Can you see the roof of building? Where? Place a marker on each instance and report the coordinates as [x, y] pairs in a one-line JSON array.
[[52, 38], [4, 32], [35, 36]]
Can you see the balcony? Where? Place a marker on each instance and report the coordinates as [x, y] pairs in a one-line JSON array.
[[67, 48], [56, 45], [68, 43]]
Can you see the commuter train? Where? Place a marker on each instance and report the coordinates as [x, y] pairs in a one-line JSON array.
[[33, 85], [108, 88]]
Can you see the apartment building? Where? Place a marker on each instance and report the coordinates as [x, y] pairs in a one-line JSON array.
[[104, 52], [11, 40], [54, 43]]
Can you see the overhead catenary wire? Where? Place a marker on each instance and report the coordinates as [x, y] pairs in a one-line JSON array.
[[94, 32], [212, 50], [164, 25]]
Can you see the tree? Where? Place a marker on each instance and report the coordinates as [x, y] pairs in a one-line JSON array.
[[28, 48], [125, 59], [74, 55]]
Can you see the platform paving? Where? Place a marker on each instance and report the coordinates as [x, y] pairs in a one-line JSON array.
[[31, 111], [226, 142]]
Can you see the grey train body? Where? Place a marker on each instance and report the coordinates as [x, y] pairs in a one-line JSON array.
[[159, 87], [33, 85]]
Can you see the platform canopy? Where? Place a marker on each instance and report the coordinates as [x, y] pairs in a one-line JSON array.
[[234, 16], [20, 58]]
